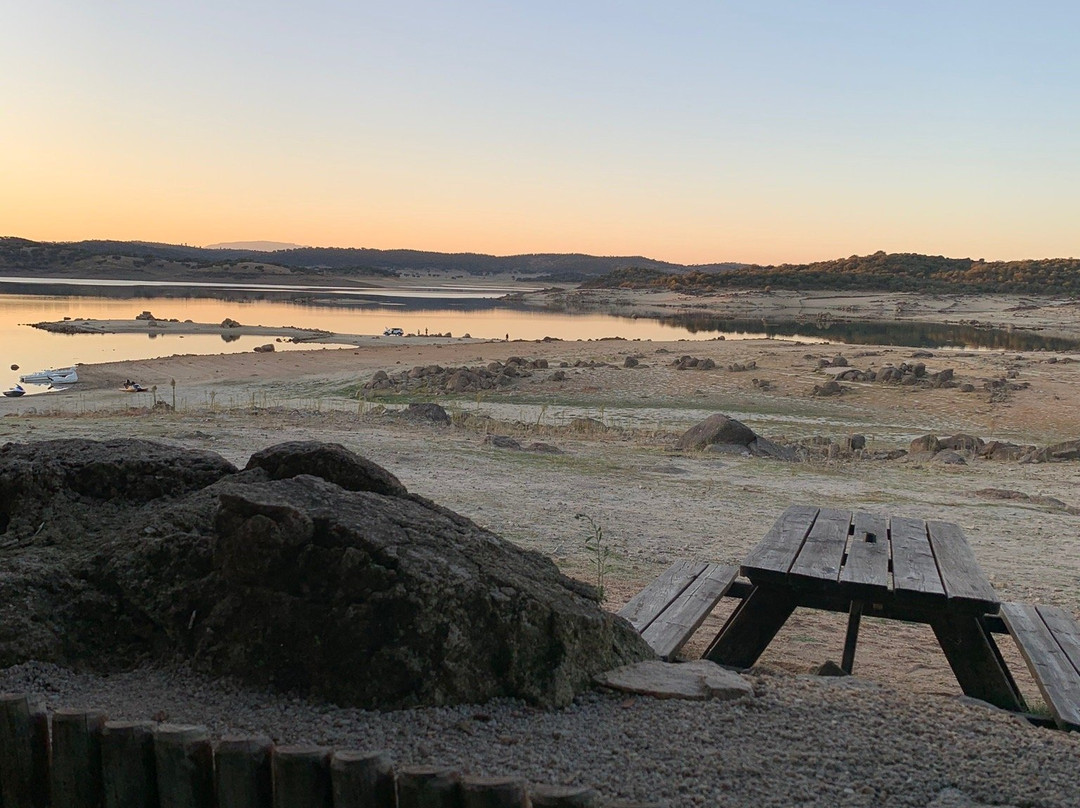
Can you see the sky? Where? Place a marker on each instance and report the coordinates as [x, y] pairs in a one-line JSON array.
[[689, 131]]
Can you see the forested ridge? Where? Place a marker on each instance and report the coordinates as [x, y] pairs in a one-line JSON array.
[[894, 272]]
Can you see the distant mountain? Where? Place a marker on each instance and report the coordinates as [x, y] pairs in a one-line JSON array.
[[893, 272], [327, 261], [257, 246]]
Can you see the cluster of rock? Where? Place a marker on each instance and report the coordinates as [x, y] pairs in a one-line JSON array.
[[437, 379], [229, 322], [720, 433], [313, 570], [693, 363], [958, 449], [267, 348], [905, 374]]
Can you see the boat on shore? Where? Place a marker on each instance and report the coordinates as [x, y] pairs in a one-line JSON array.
[[15, 391], [51, 376]]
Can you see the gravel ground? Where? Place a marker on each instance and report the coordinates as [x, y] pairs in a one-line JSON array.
[[800, 740]]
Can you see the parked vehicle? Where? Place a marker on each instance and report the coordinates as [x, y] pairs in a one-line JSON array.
[[393, 332]]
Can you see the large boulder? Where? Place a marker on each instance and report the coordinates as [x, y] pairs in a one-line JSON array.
[[313, 570], [716, 429]]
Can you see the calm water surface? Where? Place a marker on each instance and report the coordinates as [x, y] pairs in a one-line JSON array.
[[472, 310], [33, 349]]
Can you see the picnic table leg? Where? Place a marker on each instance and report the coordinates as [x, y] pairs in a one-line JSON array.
[[852, 637], [751, 627], [975, 659]]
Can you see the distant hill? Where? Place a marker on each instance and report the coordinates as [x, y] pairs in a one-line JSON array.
[[895, 272], [67, 258], [257, 246]]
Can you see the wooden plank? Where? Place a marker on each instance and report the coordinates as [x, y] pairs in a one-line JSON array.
[[823, 551], [867, 562], [242, 772], [76, 758], [647, 604], [301, 777], [668, 633], [914, 569], [127, 764], [1050, 667], [961, 575], [24, 751], [775, 553], [975, 660], [752, 626], [1065, 631], [362, 780], [184, 760]]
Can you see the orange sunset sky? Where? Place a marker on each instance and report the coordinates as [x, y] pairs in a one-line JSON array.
[[688, 131]]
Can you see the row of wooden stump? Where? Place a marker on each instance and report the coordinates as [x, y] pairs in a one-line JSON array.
[[87, 761]]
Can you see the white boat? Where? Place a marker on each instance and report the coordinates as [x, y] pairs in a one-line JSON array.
[[51, 376], [15, 391]]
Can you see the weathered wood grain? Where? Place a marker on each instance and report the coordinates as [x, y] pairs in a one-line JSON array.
[[823, 551], [775, 553], [867, 562], [914, 568], [646, 605], [669, 632], [961, 575], [1054, 673]]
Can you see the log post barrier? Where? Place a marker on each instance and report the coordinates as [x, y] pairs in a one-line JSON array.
[[87, 761]]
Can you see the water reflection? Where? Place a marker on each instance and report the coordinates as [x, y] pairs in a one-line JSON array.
[[915, 335]]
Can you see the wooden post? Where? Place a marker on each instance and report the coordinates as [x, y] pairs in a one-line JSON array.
[[564, 797], [847, 662], [751, 627], [427, 787], [185, 766], [128, 771], [24, 752], [76, 758], [493, 792], [242, 772], [363, 780], [302, 777]]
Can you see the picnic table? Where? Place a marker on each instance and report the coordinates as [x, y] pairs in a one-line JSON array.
[[869, 564]]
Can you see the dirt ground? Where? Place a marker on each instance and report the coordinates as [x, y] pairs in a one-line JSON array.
[[652, 503]]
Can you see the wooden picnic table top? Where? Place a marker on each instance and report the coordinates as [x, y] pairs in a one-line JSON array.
[[859, 555]]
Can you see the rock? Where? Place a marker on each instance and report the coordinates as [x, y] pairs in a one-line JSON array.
[[630, 362], [698, 680], [502, 442], [267, 348], [330, 461], [963, 443], [717, 428], [229, 322], [558, 376], [124, 552], [856, 442], [927, 443], [830, 668], [145, 316], [14, 367], [428, 412], [949, 458], [762, 447], [830, 388], [543, 448]]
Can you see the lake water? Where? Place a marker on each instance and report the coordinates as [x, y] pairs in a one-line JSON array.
[[472, 310]]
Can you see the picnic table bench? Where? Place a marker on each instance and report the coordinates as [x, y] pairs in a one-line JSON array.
[[860, 563]]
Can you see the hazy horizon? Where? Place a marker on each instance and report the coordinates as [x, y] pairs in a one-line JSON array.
[[695, 132]]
